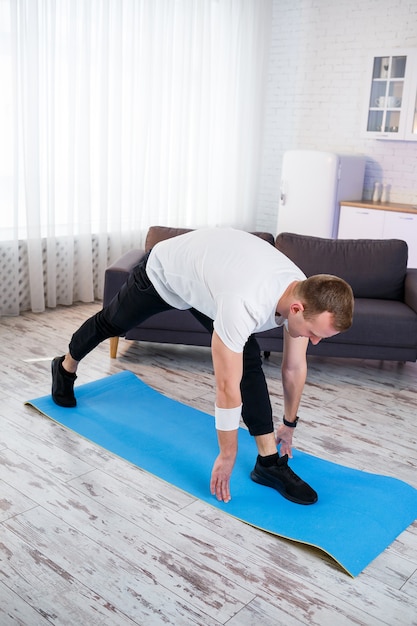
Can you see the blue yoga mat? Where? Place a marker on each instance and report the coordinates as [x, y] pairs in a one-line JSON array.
[[356, 517]]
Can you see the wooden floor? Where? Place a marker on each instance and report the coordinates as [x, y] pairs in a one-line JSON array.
[[86, 539]]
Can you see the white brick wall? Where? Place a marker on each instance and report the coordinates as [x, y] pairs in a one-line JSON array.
[[317, 86]]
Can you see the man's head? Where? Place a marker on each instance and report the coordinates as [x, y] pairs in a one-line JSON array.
[[322, 307]]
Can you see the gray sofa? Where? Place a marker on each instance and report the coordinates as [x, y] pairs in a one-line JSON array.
[[385, 317]]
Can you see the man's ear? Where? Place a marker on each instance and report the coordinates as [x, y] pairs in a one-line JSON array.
[[296, 307]]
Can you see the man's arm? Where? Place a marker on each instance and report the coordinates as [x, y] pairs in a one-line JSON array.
[[294, 373], [228, 369]]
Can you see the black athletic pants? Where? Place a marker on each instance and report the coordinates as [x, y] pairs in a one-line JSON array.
[[136, 301]]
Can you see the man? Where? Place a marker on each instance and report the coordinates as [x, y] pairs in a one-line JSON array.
[[236, 284]]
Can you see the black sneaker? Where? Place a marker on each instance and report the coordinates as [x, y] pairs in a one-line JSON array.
[[62, 384], [283, 479]]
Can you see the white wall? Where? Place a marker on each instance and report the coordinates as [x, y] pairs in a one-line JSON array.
[[317, 88]]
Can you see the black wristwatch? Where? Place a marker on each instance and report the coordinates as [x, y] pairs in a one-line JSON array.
[[290, 424]]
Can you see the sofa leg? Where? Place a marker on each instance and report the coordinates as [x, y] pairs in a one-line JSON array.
[[114, 342]]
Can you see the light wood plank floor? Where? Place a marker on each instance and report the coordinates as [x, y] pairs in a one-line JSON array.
[[86, 539]]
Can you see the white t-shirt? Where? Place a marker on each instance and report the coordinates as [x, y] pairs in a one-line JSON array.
[[233, 277]]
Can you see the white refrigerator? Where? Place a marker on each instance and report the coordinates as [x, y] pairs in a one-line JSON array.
[[312, 185]]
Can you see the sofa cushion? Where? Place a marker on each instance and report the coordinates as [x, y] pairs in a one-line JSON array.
[[375, 268], [160, 233], [376, 323], [380, 323]]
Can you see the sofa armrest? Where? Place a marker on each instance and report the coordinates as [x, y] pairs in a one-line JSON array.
[[117, 273], [126, 262], [410, 288]]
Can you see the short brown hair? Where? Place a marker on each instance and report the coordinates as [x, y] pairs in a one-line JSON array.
[[324, 292]]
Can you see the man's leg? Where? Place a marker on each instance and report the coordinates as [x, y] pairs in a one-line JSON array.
[[270, 469], [136, 301], [133, 304], [256, 409]]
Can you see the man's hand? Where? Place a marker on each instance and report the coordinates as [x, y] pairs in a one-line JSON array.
[[223, 465], [283, 437], [220, 477]]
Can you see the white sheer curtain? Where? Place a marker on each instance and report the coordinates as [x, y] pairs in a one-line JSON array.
[[119, 114]]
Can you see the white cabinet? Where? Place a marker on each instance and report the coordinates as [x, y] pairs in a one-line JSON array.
[[367, 222], [391, 97], [362, 221], [402, 226]]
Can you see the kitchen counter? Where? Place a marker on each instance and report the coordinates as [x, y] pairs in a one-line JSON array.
[[365, 219], [382, 206]]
